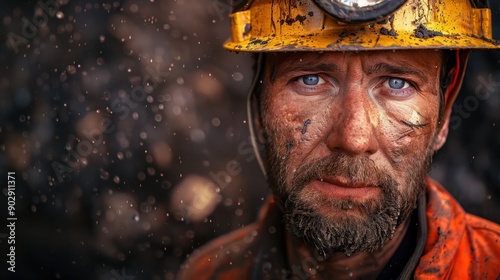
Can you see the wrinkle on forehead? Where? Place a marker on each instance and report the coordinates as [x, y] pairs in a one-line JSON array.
[[330, 61]]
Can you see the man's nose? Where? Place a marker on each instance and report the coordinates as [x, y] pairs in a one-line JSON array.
[[353, 126]]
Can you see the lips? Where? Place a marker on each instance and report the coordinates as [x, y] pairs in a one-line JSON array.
[[342, 187], [344, 182]]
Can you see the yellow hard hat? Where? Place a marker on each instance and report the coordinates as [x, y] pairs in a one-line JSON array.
[[328, 25]]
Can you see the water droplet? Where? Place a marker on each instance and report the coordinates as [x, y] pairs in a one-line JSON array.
[[215, 122], [237, 76], [134, 8], [197, 135], [272, 229]]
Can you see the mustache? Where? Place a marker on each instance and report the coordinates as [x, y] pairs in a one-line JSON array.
[[359, 170]]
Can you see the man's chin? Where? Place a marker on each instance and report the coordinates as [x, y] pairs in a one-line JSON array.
[[339, 207], [341, 225], [334, 216], [349, 232]]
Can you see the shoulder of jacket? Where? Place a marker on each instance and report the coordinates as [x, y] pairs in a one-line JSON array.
[[222, 252], [482, 225]]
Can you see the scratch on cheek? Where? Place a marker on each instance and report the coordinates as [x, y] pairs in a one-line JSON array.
[[414, 125], [414, 122], [304, 128]]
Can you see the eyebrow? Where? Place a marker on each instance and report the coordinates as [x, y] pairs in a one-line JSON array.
[[393, 69]]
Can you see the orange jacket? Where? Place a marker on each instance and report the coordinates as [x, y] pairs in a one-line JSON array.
[[458, 246]]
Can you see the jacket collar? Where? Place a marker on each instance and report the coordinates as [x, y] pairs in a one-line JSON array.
[[271, 261]]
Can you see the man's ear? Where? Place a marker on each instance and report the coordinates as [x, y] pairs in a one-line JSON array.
[[452, 91], [442, 134], [449, 98]]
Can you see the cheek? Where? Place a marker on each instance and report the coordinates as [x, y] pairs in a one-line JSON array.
[[407, 131], [282, 122], [295, 128]]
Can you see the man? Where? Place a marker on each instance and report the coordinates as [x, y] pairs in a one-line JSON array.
[[351, 102]]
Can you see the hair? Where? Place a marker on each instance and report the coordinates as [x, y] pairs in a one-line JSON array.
[[448, 65]]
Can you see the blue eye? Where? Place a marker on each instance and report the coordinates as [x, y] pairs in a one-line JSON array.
[[311, 80], [396, 83]]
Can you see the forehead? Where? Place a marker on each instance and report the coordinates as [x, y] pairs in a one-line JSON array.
[[426, 60]]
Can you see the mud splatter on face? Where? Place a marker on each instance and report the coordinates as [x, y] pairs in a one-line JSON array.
[[304, 128], [288, 145]]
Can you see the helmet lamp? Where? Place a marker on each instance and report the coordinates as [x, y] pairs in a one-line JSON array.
[[354, 11]]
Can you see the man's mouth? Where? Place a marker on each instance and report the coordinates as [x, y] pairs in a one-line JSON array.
[[343, 187], [345, 182]]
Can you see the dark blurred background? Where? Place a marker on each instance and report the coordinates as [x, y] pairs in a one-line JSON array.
[[125, 124]]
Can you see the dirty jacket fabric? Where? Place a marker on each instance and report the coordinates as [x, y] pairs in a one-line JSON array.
[[455, 245]]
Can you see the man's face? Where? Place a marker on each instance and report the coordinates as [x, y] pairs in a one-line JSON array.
[[349, 139]]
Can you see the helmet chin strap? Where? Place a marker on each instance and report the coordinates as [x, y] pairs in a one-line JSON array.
[[251, 109]]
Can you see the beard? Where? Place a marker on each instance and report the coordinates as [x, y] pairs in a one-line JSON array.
[[348, 225]]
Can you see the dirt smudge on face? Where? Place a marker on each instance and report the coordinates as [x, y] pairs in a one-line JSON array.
[[304, 128], [288, 145]]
